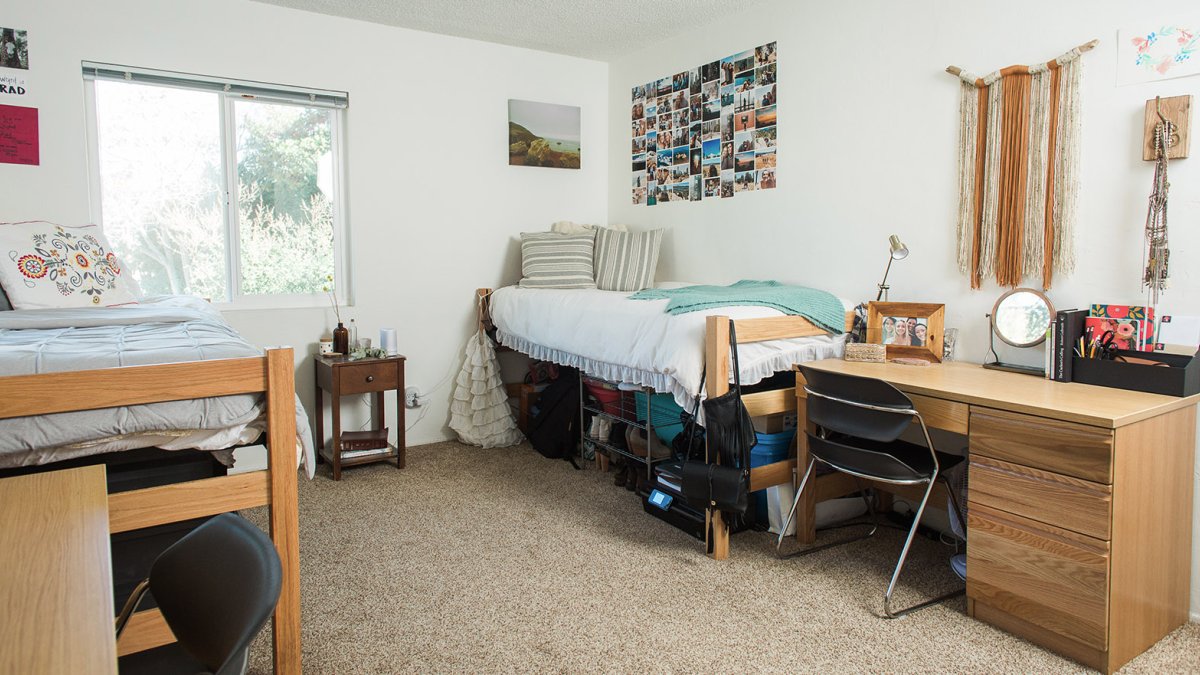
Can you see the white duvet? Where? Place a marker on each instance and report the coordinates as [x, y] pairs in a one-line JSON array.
[[605, 334], [168, 329]]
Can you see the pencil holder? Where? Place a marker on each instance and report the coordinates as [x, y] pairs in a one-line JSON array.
[[1177, 375]]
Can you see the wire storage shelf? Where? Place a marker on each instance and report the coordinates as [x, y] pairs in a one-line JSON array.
[[636, 411]]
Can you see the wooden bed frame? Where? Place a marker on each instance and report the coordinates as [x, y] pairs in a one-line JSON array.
[[716, 355], [275, 488]]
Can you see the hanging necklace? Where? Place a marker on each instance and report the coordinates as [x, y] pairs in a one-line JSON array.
[[1157, 273]]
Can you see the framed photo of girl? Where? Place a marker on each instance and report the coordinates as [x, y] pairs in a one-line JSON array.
[[909, 329]]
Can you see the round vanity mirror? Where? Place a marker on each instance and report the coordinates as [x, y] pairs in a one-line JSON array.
[[1022, 316]]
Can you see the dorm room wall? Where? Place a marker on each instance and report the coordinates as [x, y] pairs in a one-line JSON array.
[[434, 208], [868, 147]]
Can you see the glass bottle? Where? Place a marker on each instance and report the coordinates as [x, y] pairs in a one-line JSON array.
[[341, 340]]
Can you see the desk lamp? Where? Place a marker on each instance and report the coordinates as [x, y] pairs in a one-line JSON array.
[[896, 251]]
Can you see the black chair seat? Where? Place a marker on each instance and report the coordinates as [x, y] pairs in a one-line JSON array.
[[895, 461], [216, 587]]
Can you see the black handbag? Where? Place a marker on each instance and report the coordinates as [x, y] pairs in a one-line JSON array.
[[725, 483], [715, 486]]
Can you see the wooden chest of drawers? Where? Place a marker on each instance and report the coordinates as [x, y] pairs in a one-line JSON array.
[[1073, 531]]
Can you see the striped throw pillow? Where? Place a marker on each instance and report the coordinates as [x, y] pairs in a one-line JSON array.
[[625, 261], [550, 260]]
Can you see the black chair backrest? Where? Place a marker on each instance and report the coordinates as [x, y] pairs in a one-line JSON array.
[[854, 420], [216, 588]]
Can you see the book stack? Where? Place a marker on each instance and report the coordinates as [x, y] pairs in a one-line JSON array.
[[1065, 331], [365, 443]]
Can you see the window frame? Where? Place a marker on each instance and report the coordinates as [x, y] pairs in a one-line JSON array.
[[226, 100]]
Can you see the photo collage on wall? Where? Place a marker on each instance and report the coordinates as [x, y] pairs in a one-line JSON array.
[[707, 132]]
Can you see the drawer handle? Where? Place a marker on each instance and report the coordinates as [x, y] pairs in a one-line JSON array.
[[370, 378]]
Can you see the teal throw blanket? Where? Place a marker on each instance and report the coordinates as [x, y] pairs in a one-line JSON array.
[[819, 307]]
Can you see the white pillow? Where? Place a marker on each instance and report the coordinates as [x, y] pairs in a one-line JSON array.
[[43, 265], [567, 227]]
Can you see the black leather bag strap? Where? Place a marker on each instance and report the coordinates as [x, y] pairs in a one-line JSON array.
[[737, 387], [737, 371]]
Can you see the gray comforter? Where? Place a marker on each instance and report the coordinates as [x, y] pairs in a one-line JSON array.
[[170, 329]]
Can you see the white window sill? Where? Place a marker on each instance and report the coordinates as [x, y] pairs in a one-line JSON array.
[[255, 303]]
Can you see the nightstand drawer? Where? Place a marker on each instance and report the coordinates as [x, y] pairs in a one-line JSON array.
[[1049, 577], [1053, 445], [1063, 501], [358, 379]]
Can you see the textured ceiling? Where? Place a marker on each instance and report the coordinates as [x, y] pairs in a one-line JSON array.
[[594, 29]]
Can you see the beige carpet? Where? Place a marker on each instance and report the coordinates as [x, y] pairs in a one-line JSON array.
[[475, 560]]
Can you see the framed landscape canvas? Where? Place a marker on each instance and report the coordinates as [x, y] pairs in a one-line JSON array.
[[543, 134]]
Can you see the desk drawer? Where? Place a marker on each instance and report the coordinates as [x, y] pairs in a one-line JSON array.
[[1052, 498], [940, 413], [1052, 578], [1052, 445], [368, 377]]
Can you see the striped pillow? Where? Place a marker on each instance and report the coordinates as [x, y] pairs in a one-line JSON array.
[[550, 260], [625, 261]]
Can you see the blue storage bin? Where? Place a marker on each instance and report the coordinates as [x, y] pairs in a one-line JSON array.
[[666, 415], [770, 448]]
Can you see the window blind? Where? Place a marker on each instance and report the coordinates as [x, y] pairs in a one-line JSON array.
[[244, 88]]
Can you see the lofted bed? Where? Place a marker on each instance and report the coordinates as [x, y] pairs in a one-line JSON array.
[[775, 342], [51, 412]]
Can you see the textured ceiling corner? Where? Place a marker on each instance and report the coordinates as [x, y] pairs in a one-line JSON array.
[[602, 30]]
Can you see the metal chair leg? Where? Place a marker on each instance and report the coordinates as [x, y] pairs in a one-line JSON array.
[[822, 547], [131, 604], [887, 598], [788, 521]]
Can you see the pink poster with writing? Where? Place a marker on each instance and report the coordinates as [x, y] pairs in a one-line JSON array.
[[18, 135]]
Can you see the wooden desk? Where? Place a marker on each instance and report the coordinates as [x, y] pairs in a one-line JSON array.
[[56, 588], [1079, 507]]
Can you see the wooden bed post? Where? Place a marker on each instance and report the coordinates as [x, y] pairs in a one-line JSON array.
[[716, 382], [806, 525], [482, 307], [285, 517]]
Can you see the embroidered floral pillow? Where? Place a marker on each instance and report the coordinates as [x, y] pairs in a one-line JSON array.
[[43, 265]]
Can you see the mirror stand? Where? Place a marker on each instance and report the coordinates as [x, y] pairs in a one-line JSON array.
[[996, 364], [1021, 317]]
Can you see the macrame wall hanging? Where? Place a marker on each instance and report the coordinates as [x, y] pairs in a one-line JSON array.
[[1017, 168]]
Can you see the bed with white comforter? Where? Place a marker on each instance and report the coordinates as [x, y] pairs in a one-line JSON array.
[[169, 329], [606, 335]]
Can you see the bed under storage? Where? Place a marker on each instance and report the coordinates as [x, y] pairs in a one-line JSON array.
[[79, 384], [608, 336]]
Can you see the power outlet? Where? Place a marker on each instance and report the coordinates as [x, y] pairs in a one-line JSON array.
[[412, 397]]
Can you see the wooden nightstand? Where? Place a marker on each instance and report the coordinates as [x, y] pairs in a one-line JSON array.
[[341, 376]]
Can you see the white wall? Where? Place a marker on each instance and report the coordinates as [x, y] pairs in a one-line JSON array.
[[433, 204], [868, 126]]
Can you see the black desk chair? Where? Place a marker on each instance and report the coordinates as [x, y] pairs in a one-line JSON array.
[[859, 421], [216, 587]]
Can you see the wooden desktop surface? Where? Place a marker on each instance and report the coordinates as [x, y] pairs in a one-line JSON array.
[[56, 605], [973, 384]]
